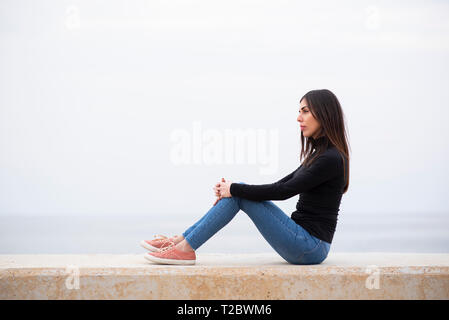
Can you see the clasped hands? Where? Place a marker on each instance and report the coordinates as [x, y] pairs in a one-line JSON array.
[[222, 190]]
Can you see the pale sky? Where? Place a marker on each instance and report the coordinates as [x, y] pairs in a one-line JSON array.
[[95, 95]]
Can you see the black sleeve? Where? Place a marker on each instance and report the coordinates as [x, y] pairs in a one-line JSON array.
[[324, 168]]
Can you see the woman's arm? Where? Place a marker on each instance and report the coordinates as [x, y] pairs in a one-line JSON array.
[[324, 168], [223, 188]]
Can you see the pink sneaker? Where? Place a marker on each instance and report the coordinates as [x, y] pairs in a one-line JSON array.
[[158, 243], [172, 255]]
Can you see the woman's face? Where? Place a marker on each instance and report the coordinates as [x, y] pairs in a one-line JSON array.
[[310, 127]]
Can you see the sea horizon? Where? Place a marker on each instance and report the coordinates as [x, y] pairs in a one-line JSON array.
[[118, 234]]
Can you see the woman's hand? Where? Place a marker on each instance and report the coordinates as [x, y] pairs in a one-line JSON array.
[[222, 190]]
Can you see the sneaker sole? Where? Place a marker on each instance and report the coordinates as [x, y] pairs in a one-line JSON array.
[[148, 246], [168, 261]]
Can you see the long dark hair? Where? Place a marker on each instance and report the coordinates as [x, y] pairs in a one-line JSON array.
[[327, 110]]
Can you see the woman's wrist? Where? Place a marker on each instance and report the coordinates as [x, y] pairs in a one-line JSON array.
[[230, 188]]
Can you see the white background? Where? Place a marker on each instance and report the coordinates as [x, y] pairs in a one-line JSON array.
[[91, 91]]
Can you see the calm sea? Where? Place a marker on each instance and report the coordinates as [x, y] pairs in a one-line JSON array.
[[395, 232]]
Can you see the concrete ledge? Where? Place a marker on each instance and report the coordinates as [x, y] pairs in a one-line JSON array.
[[225, 276]]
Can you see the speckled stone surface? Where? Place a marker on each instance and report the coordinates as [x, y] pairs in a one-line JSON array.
[[225, 276]]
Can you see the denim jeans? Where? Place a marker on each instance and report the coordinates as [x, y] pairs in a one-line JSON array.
[[292, 242]]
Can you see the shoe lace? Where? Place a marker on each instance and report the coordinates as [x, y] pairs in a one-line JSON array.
[[165, 240], [169, 247]]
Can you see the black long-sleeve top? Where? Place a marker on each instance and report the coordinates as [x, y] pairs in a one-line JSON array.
[[320, 188]]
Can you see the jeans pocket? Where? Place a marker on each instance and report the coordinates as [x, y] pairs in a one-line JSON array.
[[315, 248], [314, 256]]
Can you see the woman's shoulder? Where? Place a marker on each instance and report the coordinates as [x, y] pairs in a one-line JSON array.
[[330, 158], [333, 155], [332, 151]]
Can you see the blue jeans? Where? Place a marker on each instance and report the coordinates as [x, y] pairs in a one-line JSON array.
[[292, 242]]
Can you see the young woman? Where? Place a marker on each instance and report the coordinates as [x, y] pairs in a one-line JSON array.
[[320, 181]]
